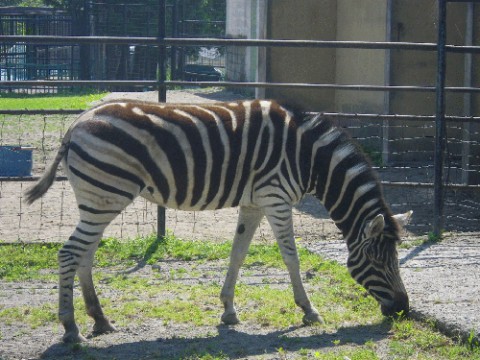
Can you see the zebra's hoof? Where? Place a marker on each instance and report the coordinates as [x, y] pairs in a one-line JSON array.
[[312, 318], [230, 319], [73, 338], [103, 327]]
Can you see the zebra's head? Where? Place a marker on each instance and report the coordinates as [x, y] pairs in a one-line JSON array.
[[373, 263]]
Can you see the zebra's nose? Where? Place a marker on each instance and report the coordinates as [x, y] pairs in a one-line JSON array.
[[400, 306]]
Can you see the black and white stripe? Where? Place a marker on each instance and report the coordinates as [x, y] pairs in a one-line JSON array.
[[257, 155]]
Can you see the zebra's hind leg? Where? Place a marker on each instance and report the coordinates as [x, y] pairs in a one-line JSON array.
[[248, 221], [102, 324], [76, 257], [280, 219]]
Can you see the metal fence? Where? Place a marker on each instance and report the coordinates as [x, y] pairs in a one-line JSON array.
[[26, 61], [429, 189], [45, 60]]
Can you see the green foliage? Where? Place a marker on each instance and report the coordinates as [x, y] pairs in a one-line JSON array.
[[434, 238], [374, 155], [23, 3]]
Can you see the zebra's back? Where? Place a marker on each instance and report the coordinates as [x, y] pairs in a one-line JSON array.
[[190, 157]]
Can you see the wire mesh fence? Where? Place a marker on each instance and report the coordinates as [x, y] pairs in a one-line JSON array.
[[54, 216], [402, 149]]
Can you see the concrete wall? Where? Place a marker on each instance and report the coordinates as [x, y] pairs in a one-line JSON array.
[[412, 20], [246, 19], [306, 19], [353, 66], [374, 20], [419, 68], [368, 20]]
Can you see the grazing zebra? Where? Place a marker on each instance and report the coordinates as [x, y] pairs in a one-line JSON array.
[[257, 155]]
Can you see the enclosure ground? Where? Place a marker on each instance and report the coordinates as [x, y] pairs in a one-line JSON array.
[[443, 280], [160, 339]]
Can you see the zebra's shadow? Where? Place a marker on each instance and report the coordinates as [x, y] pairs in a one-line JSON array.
[[228, 342]]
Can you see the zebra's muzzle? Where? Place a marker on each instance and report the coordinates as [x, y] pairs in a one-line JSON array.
[[399, 306]]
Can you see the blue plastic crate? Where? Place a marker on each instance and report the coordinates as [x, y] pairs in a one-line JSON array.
[[16, 160]]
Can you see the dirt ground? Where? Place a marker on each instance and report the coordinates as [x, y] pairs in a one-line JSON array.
[[442, 278]]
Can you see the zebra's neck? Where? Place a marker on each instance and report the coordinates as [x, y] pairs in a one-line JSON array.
[[344, 181]]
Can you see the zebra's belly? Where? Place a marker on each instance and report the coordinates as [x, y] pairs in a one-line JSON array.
[[202, 204]]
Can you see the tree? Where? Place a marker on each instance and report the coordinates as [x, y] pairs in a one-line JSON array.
[[23, 3]]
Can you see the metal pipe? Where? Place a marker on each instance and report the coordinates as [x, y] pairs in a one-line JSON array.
[[162, 97], [440, 121], [467, 97], [155, 83], [155, 41]]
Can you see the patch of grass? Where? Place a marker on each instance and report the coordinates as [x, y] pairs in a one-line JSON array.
[[35, 316], [413, 243], [359, 353], [132, 300], [411, 338], [113, 251], [48, 101], [22, 262]]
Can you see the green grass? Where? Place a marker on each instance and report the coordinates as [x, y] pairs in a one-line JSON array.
[[48, 101], [133, 299], [26, 261]]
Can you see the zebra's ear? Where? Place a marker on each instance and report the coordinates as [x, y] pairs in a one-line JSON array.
[[375, 227], [403, 219]]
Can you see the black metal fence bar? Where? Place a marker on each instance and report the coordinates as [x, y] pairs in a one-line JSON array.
[[162, 97], [29, 178], [383, 117], [440, 127], [236, 84], [156, 41], [321, 86], [26, 83]]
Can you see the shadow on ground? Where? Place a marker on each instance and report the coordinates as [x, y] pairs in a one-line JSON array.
[[227, 342]]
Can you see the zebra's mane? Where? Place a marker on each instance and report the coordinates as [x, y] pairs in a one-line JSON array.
[[321, 124]]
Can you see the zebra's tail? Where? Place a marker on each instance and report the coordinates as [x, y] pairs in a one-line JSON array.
[[46, 180]]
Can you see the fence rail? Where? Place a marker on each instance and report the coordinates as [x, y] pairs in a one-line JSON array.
[[169, 41], [235, 84]]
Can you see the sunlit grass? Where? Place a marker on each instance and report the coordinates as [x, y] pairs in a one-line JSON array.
[[48, 101], [166, 296]]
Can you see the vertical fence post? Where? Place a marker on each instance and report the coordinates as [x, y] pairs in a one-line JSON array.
[[162, 96], [467, 127], [440, 120]]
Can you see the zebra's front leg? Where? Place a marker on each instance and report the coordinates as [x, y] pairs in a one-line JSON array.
[[280, 219], [248, 221]]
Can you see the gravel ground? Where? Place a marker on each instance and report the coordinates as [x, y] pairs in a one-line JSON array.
[[442, 279]]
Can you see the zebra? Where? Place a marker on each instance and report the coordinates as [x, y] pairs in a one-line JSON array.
[[258, 155]]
